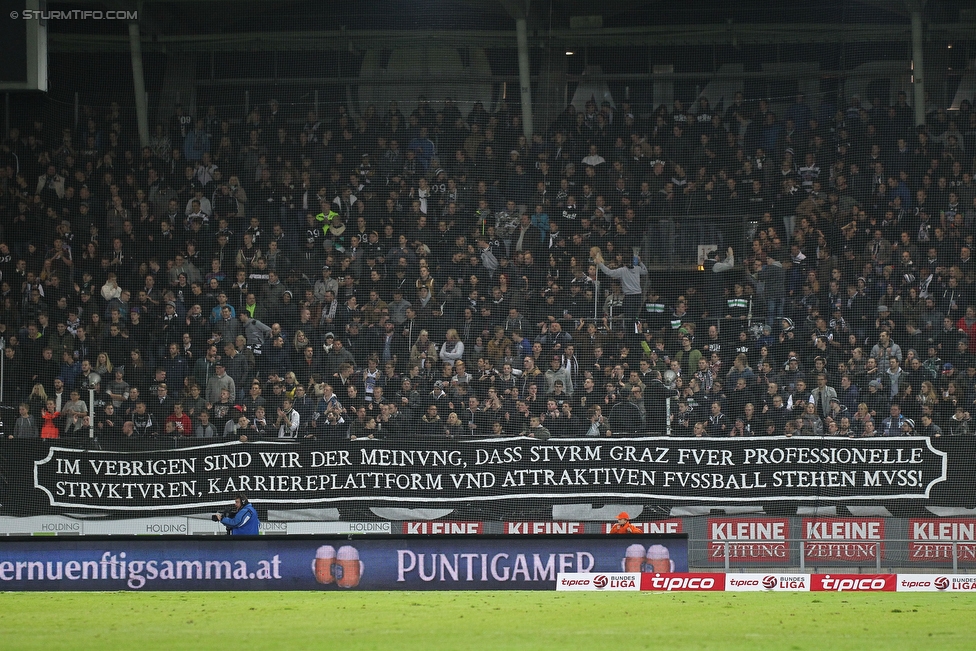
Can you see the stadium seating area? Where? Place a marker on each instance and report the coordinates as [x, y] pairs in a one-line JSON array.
[[440, 275]]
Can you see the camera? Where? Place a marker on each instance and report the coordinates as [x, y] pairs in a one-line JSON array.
[[228, 513]]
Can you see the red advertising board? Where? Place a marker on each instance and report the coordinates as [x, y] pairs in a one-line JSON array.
[[673, 525], [437, 527], [843, 539], [683, 582], [932, 538], [538, 528], [853, 582], [748, 540]]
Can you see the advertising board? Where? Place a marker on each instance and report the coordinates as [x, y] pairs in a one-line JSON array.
[[936, 583], [743, 582], [324, 563], [767, 582], [932, 538], [843, 539], [599, 582], [748, 540]]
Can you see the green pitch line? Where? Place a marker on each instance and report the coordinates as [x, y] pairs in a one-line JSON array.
[[485, 620]]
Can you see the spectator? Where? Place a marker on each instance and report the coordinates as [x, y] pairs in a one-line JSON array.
[[26, 426], [453, 348], [288, 421], [536, 430], [204, 429]]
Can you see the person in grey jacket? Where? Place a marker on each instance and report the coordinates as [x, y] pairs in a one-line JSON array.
[[885, 349], [630, 281], [218, 382], [772, 278], [237, 368], [255, 331], [715, 265], [26, 425], [560, 373]]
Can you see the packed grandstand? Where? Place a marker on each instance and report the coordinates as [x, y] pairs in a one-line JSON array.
[[285, 274]]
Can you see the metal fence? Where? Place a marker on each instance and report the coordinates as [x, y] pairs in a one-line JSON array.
[[672, 243]]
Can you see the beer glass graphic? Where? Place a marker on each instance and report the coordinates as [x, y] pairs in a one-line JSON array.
[[659, 559], [322, 565], [348, 569], [633, 558]]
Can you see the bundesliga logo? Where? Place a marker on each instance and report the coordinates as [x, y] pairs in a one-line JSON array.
[[769, 582], [941, 582], [600, 581]]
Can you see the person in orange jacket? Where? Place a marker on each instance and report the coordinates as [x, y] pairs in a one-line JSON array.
[[623, 525], [50, 430]]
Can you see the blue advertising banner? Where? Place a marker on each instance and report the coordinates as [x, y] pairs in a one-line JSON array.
[[328, 563]]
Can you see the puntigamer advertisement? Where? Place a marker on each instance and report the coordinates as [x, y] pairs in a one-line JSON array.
[[444, 563]]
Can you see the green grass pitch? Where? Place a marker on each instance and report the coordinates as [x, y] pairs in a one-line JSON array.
[[486, 620]]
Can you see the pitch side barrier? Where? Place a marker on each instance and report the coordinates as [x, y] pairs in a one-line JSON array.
[[732, 543], [500, 478], [392, 562], [722, 582]]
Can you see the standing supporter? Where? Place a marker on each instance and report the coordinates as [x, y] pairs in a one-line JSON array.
[[26, 426], [50, 417], [629, 277]]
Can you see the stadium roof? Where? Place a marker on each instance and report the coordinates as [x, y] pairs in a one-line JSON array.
[[241, 25]]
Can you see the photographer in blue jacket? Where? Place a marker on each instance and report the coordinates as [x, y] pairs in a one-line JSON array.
[[243, 522]]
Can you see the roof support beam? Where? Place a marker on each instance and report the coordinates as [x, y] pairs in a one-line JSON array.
[[918, 63], [561, 38]]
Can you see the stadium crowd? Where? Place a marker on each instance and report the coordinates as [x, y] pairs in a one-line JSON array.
[[441, 275]]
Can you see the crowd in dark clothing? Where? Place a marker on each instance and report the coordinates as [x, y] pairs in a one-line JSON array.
[[437, 274]]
